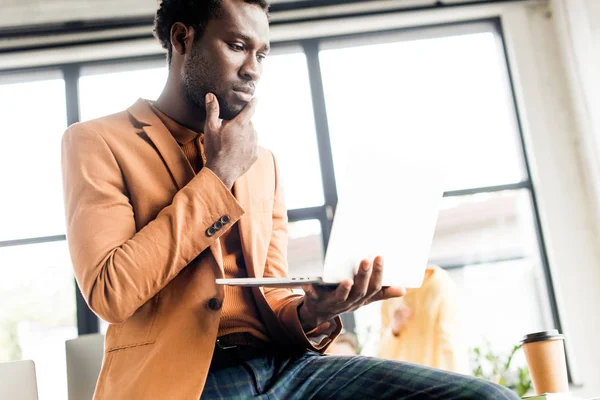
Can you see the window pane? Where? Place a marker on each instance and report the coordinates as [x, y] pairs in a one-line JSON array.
[[305, 248], [37, 293], [501, 302], [488, 244], [108, 89], [451, 92], [285, 124], [34, 119], [488, 240], [483, 227]]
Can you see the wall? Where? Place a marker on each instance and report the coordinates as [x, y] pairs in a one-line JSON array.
[[577, 23], [564, 166]]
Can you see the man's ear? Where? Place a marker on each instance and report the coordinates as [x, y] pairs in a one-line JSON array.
[[181, 38]]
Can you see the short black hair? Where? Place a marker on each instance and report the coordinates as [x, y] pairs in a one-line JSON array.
[[194, 13]]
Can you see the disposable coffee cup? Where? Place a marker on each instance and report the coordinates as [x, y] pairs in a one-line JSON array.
[[545, 354]]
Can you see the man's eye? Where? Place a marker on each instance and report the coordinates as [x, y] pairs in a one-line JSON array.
[[261, 57], [236, 47]]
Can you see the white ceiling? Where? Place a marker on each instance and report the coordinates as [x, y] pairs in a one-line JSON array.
[[33, 12], [38, 12]]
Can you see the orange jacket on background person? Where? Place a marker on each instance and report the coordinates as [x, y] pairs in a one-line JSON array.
[[138, 222], [432, 334]]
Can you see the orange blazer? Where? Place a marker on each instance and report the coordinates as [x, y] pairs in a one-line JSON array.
[[137, 220]]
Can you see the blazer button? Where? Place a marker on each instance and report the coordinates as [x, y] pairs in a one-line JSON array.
[[224, 220], [214, 304], [217, 225], [210, 231]]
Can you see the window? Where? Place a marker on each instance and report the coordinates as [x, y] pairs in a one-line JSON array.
[[37, 293], [284, 122], [107, 89], [305, 248], [37, 289], [488, 244], [449, 88], [30, 149]]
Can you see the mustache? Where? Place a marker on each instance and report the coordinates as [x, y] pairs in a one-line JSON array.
[[247, 88]]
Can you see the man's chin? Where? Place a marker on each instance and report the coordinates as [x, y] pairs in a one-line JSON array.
[[230, 111]]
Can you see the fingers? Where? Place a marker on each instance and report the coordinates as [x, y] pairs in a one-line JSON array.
[[212, 112], [376, 278], [361, 282], [388, 292], [392, 291], [396, 327], [310, 292], [248, 111], [368, 280], [343, 291], [325, 294], [400, 317]]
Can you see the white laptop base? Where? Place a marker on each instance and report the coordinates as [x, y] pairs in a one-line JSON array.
[[270, 282]]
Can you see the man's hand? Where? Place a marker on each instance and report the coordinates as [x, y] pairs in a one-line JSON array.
[[322, 304], [231, 147]]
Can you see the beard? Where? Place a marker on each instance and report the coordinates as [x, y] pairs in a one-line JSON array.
[[199, 78]]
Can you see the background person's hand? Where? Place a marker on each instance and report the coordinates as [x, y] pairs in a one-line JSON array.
[[322, 304], [231, 147], [400, 317]]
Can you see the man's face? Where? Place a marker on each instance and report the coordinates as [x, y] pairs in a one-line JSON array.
[[227, 59]]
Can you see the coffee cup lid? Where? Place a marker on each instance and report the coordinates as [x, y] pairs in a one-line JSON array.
[[542, 336]]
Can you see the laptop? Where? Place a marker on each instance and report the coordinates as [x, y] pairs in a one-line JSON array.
[[387, 206], [18, 380]]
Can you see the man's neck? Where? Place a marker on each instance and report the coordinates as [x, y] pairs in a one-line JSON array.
[[173, 103]]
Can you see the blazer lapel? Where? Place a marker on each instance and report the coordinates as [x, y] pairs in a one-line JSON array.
[[165, 143], [169, 149], [178, 166]]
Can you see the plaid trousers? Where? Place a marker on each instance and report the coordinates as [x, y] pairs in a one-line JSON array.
[[248, 373]]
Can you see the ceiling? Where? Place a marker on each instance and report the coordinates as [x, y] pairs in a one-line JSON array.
[[35, 12], [25, 13]]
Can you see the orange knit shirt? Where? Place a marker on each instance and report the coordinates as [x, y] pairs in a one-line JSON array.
[[239, 312]]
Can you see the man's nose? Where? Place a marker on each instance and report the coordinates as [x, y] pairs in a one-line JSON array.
[[251, 69]]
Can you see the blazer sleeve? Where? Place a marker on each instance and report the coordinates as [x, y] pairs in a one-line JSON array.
[[283, 301], [118, 268]]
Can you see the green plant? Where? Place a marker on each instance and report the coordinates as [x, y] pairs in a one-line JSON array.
[[494, 367]]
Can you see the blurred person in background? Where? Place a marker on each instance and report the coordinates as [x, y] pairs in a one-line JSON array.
[[423, 327], [167, 196]]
